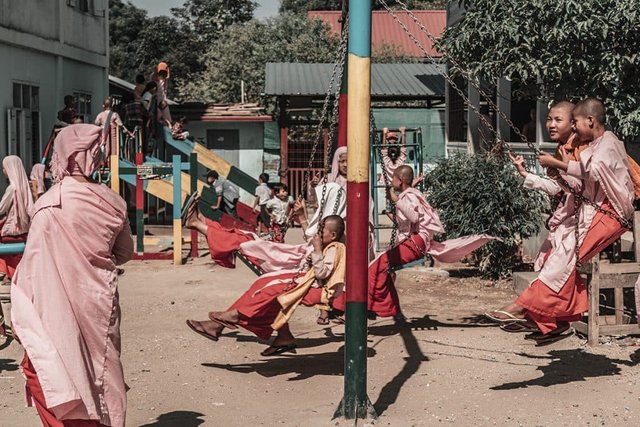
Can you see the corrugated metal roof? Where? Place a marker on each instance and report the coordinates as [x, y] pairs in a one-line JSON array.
[[387, 80], [385, 30]]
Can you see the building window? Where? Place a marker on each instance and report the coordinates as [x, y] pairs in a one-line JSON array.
[[83, 105], [24, 126]]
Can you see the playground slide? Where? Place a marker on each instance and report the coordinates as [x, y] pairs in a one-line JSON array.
[[211, 160]]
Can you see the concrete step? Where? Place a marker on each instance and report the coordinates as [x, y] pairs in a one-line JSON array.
[[522, 280]]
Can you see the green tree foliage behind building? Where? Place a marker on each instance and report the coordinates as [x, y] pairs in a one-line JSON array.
[[557, 50]]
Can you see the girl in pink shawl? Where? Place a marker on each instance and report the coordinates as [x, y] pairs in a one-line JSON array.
[[14, 210], [64, 294], [37, 178]]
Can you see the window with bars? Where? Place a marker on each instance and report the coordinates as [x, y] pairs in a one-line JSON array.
[[83, 105], [25, 123]]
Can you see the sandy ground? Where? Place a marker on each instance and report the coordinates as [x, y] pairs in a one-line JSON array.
[[445, 366]]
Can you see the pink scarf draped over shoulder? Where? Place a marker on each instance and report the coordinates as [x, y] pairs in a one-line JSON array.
[[17, 220]]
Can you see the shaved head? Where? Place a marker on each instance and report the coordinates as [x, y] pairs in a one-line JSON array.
[[591, 107], [564, 106], [404, 173], [334, 223]]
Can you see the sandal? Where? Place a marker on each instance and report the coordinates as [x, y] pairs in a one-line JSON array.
[[192, 324], [323, 318], [556, 335], [274, 350], [510, 317], [519, 327]]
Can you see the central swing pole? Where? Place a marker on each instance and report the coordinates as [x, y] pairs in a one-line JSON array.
[[355, 404]]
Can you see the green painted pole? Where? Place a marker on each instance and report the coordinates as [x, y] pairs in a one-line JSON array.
[[355, 404]]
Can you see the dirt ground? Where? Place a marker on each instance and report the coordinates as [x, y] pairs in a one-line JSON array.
[[445, 366]]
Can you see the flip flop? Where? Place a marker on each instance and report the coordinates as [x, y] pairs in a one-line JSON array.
[[222, 322], [186, 210], [322, 320], [191, 324], [518, 327], [511, 317], [274, 350], [554, 336]]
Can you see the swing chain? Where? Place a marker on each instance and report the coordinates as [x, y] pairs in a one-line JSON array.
[[474, 81], [338, 69], [332, 134]]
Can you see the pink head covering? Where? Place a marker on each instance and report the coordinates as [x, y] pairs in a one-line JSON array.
[[334, 175], [77, 151], [18, 219], [37, 175]]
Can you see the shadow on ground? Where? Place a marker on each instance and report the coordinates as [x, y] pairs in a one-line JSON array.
[[567, 366], [178, 419]]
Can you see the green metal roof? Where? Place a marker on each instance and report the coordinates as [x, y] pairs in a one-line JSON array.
[[403, 81]]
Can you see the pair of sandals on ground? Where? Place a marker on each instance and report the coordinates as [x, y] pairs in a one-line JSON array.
[[511, 323]]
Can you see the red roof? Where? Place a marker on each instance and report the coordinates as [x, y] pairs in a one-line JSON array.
[[385, 30]]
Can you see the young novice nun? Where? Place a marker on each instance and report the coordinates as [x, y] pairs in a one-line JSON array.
[[417, 222], [558, 295], [14, 210], [37, 180], [272, 299], [65, 308]]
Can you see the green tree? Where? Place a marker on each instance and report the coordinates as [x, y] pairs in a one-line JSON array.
[[556, 50], [481, 194], [246, 48], [125, 23], [208, 18]]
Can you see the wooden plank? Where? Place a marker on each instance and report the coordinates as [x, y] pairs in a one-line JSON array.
[[618, 281], [594, 304], [620, 268], [618, 302], [619, 329]]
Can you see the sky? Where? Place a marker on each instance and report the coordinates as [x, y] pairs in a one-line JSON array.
[[265, 8]]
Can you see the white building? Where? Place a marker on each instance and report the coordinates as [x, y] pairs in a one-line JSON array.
[[49, 49]]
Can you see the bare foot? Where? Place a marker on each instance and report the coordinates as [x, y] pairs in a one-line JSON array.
[[231, 316], [514, 309]]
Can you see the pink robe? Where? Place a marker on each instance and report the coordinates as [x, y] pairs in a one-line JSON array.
[[416, 216], [604, 172], [65, 308]]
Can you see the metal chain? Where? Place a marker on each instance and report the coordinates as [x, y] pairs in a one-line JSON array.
[[331, 133], [577, 195], [338, 69], [387, 184]]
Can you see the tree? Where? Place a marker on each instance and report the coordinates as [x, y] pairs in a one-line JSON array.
[[241, 55], [556, 50], [208, 18], [125, 23]]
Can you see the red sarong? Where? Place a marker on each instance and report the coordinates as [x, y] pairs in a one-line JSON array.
[[383, 297], [34, 390], [223, 242], [259, 306], [8, 263], [547, 308]]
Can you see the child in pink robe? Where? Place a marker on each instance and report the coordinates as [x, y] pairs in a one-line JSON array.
[[417, 222], [64, 294]]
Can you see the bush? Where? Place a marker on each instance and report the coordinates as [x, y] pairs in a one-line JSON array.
[[480, 194]]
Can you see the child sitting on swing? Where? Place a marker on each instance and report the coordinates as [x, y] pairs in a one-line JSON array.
[[272, 299]]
